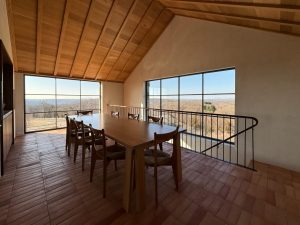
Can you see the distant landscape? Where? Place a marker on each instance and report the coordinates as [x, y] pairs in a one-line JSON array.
[[41, 113]]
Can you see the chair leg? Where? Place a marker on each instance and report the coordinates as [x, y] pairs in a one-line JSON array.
[[175, 177], [116, 165], [93, 163], [161, 146], [156, 191], [104, 178], [83, 157], [69, 148], [75, 152]]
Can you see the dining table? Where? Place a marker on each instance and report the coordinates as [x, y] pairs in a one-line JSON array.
[[136, 136]]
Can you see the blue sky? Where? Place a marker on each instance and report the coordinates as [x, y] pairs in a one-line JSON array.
[[214, 82], [46, 86]]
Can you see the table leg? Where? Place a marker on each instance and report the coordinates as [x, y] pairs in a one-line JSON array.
[[128, 180], [139, 180], [178, 158]]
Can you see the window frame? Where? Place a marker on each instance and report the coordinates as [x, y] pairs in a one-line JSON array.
[[56, 98], [179, 95]]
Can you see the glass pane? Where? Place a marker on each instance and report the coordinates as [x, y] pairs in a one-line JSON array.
[[90, 102], [61, 120], [169, 86], [68, 103], [169, 102], [222, 104], [90, 88], [40, 121], [39, 85], [219, 82], [154, 102], [191, 84], [192, 103], [154, 87], [40, 103], [68, 87]]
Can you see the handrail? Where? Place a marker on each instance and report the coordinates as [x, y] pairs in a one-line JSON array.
[[196, 135]]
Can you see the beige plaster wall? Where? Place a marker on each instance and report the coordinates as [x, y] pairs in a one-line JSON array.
[[267, 77], [112, 94]]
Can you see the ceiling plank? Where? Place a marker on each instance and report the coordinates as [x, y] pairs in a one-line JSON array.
[[133, 54], [83, 35], [109, 15], [185, 12], [246, 5], [40, 9], [62, 35], [12, 32], [120, 31], [131, 37], [248, 26]]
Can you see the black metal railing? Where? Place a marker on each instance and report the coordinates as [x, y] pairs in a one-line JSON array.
[[228, 138]]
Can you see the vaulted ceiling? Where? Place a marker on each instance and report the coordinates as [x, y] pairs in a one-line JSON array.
[[106, 39]]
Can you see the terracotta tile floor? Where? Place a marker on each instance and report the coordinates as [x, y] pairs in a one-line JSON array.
[[42, 185]]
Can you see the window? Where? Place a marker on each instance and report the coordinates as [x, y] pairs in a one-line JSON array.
[[208, 92], [47, 100]]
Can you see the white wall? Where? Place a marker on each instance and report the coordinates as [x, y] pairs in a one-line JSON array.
[[267, 77], [112, 94], [19, 104]]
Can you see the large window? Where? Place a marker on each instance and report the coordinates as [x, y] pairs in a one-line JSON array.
[[47, 100], [210, 92]]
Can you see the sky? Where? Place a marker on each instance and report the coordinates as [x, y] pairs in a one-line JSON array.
[[43, 85], [221, 82], [214, 82]]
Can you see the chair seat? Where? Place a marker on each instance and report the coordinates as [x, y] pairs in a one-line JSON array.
[[163, 158], [113, 152]]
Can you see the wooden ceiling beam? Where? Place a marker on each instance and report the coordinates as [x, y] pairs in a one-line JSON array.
[[12, 32], [246, 5], [185, 12], [62, 35], [122, 27], [39, 24], [82, 36], [131, 37], [109, 15]]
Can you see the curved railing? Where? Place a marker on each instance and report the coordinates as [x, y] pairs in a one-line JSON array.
[[229, 138]]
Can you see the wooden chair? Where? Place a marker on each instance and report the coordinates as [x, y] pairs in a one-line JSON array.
[[158, 120], [157, 158], [115, 114], [104, 153], [69, 136], [132, 116], [84, 112], [81, 138]]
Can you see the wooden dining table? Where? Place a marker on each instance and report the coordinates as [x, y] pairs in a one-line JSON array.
[[135, 135]]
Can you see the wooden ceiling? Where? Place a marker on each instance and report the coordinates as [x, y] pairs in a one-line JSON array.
[[273, 15], [106, 39], [89, 39]]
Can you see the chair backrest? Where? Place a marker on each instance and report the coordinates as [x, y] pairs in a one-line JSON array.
[[72, 124], [79, 129], [132, 116], [99, 134], [115, 114], [155, 119], [160, 138], [84, 112]]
